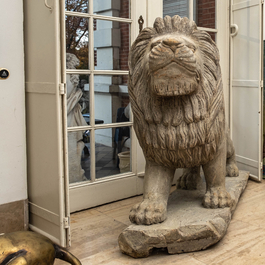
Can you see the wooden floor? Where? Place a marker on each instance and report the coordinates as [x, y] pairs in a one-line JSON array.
[[95, 233]]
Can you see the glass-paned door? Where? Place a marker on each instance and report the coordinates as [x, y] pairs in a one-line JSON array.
[[101, 143]]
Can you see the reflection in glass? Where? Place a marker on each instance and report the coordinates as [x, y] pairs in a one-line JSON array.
[[77, 5], [112, 151], [75, 95], [76, 142], [205, 13], [77, 39], [85, 158], [111, 98], [78, 156], [77, 87], [112, 43], [119, 8]]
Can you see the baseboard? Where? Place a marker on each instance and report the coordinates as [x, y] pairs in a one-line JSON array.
[[14, 216]]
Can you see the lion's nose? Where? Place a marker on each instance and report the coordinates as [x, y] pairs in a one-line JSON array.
[[173, 43]]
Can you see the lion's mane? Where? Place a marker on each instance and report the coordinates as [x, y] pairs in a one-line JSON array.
[[177, 131]]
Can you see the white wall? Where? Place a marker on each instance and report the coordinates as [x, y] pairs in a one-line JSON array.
[[13, 185]]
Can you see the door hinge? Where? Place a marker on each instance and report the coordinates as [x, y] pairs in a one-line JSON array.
[[62, 89], [261, 83], [261, 165], [66, 222]]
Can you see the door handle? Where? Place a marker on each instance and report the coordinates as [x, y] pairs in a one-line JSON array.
[[235, 27]]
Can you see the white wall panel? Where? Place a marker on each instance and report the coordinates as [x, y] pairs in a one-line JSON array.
[[12, 104]]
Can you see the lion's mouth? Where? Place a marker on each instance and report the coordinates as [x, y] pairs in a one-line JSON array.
[[175, 68], [174, 80]]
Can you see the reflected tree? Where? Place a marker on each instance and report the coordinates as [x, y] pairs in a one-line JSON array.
[[77, 31], [77, 43]]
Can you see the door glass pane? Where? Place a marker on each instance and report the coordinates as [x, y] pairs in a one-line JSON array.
[[176, 7], [86, 155], [247, 44], [77, 39], [112, 8], [77, 91], [77, 5], [112, 42], [79, 156], [111, 98], [112, 151], [205, 13]]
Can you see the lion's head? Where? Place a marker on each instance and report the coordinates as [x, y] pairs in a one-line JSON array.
[[176, 92]]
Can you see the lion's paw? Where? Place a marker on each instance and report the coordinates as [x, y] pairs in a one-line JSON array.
[[188, 181], [148, 212], [217, 198], [232, 170]]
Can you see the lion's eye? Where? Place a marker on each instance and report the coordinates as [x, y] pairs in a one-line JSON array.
[[192, 48]]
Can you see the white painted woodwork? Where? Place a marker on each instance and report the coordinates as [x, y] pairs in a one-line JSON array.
[[47, 179], [247, 85]]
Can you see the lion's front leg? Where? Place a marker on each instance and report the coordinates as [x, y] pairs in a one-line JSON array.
[[157, 184], [215, 171]]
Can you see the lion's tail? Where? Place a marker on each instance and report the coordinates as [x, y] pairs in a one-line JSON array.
[[63, 254]]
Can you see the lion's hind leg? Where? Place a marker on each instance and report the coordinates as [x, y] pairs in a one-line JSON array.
[[231, 167], [190, 179]]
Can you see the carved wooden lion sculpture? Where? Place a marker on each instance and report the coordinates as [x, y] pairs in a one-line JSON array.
[[176, 94]]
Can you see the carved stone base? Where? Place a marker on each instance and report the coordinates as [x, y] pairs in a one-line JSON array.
[[188, 227]]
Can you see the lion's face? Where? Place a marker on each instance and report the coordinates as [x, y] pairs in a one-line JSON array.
[[174, 65]]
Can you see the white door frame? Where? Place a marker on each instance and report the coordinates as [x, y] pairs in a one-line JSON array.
[[248, 87]]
